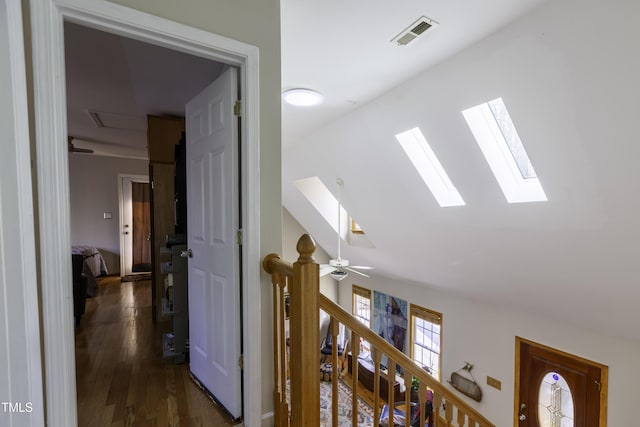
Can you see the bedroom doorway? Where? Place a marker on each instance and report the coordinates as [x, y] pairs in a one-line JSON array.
[[135, 224], [51, 149]]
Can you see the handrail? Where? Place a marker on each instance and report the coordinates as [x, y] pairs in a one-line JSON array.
[[273, 264], [301, 349], [292, 360], [376, 341]]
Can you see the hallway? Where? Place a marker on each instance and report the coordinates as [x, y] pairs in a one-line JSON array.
[[122, 379]]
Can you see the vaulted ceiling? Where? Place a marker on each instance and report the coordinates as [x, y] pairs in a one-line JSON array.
[[566, 71], [569, 84]]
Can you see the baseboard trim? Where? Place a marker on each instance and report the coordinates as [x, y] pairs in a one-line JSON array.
[[267, 419]]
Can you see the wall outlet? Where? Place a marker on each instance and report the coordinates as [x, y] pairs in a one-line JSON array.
[[497, 384]]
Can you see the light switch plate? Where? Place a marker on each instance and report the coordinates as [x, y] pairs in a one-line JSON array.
[[107, 215]]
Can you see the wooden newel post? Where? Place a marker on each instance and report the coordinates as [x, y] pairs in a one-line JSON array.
[[304, 332]]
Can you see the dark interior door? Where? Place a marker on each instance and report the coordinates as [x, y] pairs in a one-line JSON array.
[[141, 227]]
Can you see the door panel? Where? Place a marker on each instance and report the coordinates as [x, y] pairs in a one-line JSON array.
[[197, 315], [585, 381], [213, 210]]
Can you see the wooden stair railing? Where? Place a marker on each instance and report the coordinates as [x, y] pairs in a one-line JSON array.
[[297, 359]]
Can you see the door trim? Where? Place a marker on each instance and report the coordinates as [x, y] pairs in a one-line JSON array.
[[604, 378], [47, 17], [20, 369]]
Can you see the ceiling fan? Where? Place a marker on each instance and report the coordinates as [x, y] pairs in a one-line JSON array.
[[73, 149], [338, 268]]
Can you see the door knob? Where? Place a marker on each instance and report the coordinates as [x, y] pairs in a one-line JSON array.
[[186, 254], [522, 416]]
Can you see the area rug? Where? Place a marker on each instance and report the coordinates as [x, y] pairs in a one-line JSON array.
[[136, 277], [365, 412]]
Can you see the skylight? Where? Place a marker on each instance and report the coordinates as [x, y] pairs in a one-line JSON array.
[[324, 201], [498, 139], [425, 161]]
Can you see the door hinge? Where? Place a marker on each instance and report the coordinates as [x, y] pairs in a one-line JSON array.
[[237, 108], [241, 361], [239, 237]]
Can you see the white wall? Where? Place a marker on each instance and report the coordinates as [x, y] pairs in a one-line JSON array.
[[93, 184], [484, 335]]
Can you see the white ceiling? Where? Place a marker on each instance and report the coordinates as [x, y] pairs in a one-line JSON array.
[[124, 80], [344, 49], [572, 94]]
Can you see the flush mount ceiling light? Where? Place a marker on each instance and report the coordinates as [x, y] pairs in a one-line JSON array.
[[302, 97]]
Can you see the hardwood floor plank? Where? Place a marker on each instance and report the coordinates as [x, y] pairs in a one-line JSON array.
[[122, 379]]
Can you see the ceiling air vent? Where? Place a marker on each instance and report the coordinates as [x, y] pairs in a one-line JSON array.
[[419, 27]]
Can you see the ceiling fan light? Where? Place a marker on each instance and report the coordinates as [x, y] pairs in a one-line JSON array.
[[338, 274], [300, 97]]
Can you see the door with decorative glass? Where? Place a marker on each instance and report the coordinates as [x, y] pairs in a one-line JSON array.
[[556, 389]]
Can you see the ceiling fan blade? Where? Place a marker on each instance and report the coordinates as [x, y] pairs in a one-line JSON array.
[[356, 271], [73, 149], [361, 267], [325, 269]]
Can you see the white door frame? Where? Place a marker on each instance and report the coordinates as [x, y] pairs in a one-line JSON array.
[[125, 203], [47, 18], [20, 364]]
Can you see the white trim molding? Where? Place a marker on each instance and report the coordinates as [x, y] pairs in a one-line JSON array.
[[20, 364], [47, 17]]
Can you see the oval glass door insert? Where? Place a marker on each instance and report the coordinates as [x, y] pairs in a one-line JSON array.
[[555, 402]]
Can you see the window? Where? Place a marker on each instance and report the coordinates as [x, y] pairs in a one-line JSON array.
[[355, 228], [361, 309], [426, 339], [428, 166], [501, 146]]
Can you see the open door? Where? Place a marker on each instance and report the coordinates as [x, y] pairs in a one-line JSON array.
[[213, 220], [135, 224]]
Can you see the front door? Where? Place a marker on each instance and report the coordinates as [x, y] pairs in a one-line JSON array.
[[558, 389], [213, 219]]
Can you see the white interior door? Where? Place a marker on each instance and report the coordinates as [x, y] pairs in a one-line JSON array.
[[212, 206]]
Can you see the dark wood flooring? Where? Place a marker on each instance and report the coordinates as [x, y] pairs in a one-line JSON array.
[[122, 378]]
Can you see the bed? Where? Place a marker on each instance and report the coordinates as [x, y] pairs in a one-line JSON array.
[[94, 266]]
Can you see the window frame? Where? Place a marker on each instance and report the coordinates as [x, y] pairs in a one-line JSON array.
[[434, 317], [358, 291], [492, 136], [355, 228]]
